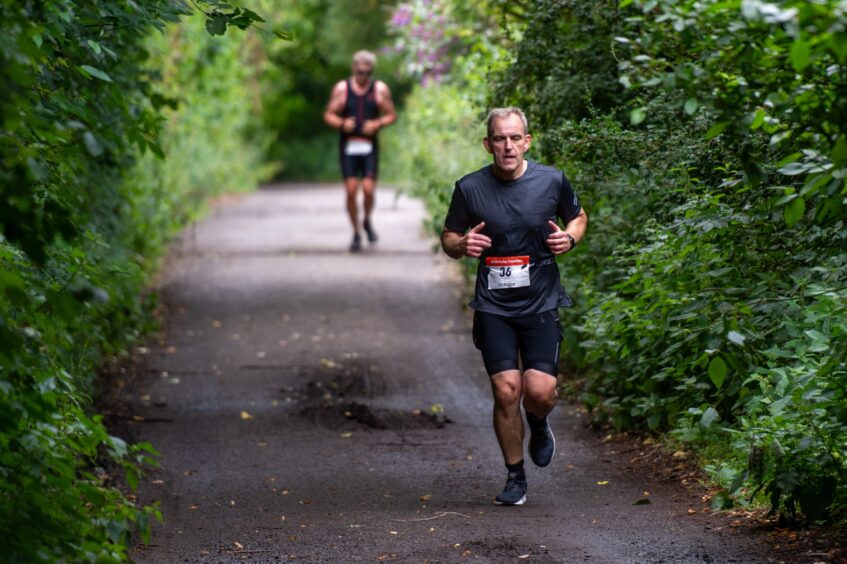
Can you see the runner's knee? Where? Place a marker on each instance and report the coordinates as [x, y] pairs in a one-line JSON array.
[[539, 389], [507, 389]]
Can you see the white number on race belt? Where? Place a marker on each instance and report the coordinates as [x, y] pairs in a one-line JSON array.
[[505, 273], [358, 147]]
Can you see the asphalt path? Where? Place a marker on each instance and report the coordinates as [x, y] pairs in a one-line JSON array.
[[314, 405]]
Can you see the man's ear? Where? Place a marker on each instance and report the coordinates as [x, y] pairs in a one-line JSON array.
[[487, 145], [528, 140]]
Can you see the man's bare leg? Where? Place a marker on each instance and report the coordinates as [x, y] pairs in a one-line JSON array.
[[539, 392], [508, 422], [351, 184], [369, 189], [539, 399]]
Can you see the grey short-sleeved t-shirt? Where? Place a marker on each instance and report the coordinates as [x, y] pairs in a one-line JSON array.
[[515, 215]]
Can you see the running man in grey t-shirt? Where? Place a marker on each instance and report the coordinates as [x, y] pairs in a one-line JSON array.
[[506, 215]]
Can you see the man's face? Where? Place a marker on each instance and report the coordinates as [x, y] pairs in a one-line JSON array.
[[362, 72], [507, 143]]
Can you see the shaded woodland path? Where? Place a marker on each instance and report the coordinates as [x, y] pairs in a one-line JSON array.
[[313, 405]]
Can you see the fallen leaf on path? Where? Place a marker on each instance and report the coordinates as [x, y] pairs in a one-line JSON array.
[[346, 435], [232, 503], [170, 350], [646, 493], [425, 497], [216, 323], [642, 501], [237, 545], [246, 416], [393, 533], [158, 482], [327, 363], [193, 507], [523, 556], [680, 454], [138, 418], [261, 445], [603, 483], [692, 511]]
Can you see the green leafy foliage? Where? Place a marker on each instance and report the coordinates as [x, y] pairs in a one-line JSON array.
[[86, 206], [707, 142]]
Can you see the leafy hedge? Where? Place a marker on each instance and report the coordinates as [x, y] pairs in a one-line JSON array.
[[716, 306], [708, 141], [85, 210]]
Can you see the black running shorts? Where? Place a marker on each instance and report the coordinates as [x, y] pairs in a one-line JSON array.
[[360, 166], [535, 337]]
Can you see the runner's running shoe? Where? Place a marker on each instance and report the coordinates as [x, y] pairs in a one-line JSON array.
[[542, 444], [372, 237], [356, 245], [515, 491]]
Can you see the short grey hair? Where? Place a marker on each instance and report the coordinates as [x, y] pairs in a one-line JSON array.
[[505, 112], [364, 56]]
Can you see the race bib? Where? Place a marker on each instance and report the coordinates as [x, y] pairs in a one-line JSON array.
[[358, 147], [507, 272]]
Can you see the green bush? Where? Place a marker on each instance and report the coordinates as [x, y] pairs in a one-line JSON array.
[[707, 141], [85, 211]]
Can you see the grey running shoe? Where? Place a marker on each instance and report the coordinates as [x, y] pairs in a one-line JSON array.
[[542, 443], [356, 245], [515, 491], [372, 237]]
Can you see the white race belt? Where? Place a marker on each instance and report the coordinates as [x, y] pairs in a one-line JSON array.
[[358, 147], [505, 273]]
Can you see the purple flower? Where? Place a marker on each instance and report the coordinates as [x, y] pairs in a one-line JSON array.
[[402, 16]]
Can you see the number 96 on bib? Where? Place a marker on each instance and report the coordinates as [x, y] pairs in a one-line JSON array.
[[505, 273]]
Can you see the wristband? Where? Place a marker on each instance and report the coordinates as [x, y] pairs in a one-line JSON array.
[[572, 240]]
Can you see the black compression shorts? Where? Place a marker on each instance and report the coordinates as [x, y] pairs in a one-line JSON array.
[[360, 166], [536, 338]]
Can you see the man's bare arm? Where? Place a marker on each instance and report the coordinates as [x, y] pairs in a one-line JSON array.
[[388, 114], [558, 240], [471, 244], [332, 113]]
